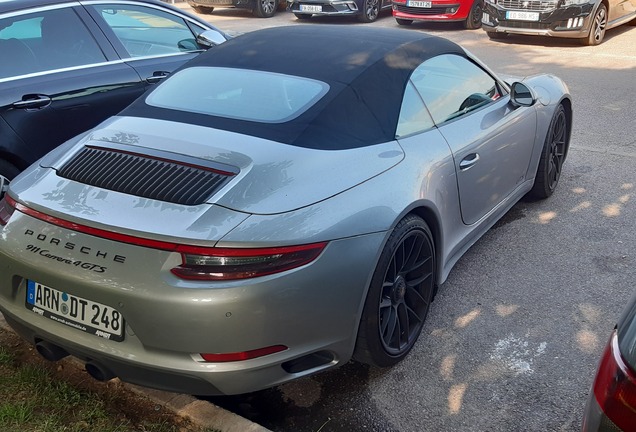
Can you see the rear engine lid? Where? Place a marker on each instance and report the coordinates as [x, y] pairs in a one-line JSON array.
[[245, 173], [44, 191]]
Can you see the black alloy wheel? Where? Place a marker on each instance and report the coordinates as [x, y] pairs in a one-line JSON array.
[[265, 8], [552, 156], [598, 27], [399, 297], [370, 11], [473, 21]]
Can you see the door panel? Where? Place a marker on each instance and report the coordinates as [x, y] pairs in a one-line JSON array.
[[153, 41], [491, 142], [72, 84], [78, 100], [492, 149]]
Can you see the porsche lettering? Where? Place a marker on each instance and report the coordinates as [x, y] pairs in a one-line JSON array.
[[86, 250]]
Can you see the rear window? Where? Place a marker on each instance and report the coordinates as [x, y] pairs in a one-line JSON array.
[[241, 94]]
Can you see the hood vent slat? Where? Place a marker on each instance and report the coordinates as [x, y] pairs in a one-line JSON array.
[[144, 175]]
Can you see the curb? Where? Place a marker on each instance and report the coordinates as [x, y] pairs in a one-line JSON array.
[[201, 413]]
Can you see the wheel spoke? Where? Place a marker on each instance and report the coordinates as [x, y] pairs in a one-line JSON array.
[[414, 254], [403, 326], [390, 326]]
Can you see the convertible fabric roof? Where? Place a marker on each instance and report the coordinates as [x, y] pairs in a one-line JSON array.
[[366, 67]]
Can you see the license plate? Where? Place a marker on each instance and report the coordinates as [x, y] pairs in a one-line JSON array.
[[522, 16], [310, 8], [419, 4], [73, 311]]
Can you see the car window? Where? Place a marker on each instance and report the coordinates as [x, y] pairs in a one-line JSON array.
[[145, 31], [45, 40], [414, 116], [243, 94], [453, 86]]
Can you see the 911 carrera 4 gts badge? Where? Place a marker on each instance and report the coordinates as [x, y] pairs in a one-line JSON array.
[[47, 241]]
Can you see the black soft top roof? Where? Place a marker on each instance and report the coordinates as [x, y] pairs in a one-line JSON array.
[[367, 69]]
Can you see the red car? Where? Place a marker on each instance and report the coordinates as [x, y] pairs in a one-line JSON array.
[[467, 11]]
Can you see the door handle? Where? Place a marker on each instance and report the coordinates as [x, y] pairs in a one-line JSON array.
[[157, 76], [32, 101], [468, 161]]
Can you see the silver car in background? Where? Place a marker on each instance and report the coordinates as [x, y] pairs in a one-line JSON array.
[[263, 215]]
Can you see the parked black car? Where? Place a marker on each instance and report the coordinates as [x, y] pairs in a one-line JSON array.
[[65, 67], [586, 20], [612, 402]]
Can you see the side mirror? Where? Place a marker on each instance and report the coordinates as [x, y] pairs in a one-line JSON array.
[[210, 38], [521, 95]]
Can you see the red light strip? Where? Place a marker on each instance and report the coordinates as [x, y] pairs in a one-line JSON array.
[[244, 355], [158, 244]]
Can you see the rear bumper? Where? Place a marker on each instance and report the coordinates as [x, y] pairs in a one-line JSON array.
[[312, 310], [222, 3], [344, 7], [566, 22]]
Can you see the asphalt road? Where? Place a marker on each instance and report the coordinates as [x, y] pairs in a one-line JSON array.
[[515, 334]]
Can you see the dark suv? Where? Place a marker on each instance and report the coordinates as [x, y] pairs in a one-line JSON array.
[[586, 20]]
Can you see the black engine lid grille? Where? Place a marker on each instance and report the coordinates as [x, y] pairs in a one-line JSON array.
[[155, 176]]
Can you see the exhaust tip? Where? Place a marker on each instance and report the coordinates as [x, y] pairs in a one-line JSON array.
[[99, 372], [50, 352]]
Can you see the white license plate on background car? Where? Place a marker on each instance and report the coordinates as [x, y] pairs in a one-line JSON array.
[[74, 311], [419, 4], [310, 8], [522, 15]]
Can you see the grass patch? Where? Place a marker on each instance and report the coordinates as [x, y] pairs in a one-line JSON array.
[[39, 396]]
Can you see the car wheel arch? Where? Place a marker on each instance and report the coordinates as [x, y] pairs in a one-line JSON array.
[[429, 214]]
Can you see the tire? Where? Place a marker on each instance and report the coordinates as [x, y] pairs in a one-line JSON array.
[[399, 296], [597, 28], [370, 11], [265, 8], [473, 21], [496, 35], [404, 22], [203, 9], [303, 17], [8, 170], [552, 156]]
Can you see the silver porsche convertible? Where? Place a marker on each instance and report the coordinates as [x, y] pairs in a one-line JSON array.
[[265, 214]]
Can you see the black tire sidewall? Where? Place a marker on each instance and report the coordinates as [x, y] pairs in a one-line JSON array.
[[8, 170], [369, 346], [541, 188]]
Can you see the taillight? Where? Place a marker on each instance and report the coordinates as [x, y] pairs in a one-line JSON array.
[[199, 262], [615, 387], [232, 264], [244, 355], [7, 207]]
